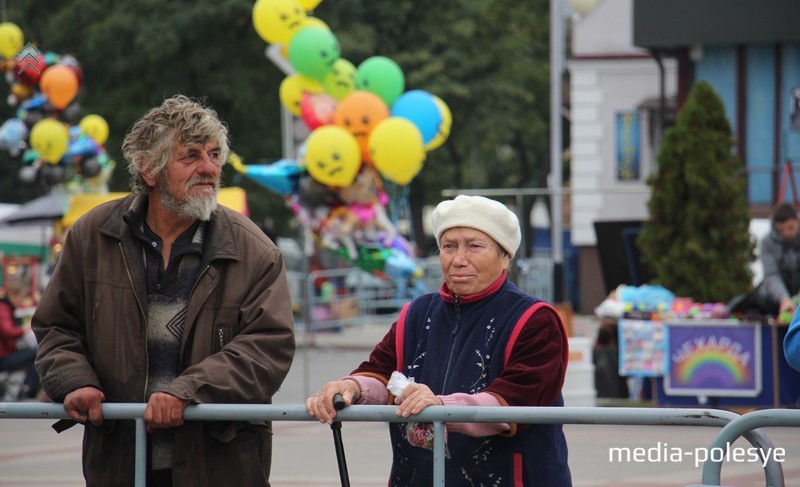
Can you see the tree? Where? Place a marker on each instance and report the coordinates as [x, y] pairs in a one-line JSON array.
[[697, 240], [487, 59]]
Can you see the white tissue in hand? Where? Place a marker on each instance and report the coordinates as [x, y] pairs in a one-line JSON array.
[[397, 383]]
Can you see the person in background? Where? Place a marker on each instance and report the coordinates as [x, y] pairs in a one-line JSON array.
[[779, 253], [166, 298], [13, 357], [479, 341]]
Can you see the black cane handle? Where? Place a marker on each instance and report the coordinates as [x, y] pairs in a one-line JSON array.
[[338, 402]]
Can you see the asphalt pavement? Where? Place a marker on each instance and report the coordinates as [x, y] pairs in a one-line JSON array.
[[32, 454]]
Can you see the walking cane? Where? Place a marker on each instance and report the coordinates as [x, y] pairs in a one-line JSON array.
[[336, 426]]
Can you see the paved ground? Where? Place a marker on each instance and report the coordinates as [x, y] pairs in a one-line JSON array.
[[31, 454]]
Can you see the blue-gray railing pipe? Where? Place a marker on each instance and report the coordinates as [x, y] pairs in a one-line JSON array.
[[437, 415], [741, 426]]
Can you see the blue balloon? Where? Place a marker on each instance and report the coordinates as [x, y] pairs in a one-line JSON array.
[[420, 108], [12, 136], [79, 149], [281, 177]]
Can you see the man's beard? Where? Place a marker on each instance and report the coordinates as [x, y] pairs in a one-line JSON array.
[[195, 207]]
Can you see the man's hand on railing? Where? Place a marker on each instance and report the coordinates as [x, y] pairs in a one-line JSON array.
[[164, 411], [85, 403]]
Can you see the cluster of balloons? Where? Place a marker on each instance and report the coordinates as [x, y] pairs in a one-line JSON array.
[[358, 115], [57, 146], [365, 130]]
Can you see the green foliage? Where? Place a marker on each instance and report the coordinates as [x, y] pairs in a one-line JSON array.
[[697, 239], [487, 59]]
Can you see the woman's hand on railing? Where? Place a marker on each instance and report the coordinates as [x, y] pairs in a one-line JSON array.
[[321, 406], [416, 397]]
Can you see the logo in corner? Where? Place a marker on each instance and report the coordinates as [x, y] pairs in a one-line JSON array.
[[28, 58]]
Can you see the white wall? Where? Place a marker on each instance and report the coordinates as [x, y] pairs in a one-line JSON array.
[[608, 74]]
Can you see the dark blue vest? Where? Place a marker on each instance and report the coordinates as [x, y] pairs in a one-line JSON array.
[[461, 348]]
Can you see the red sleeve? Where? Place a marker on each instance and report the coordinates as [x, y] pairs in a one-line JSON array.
[[534, 372], [382, 360], [8, 325]]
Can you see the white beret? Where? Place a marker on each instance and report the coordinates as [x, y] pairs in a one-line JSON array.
[[489, 216]]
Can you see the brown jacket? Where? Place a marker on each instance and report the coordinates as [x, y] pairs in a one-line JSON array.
[[237, 344]]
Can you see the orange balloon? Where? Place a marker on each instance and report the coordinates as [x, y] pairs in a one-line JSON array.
[[359, 112], [60, 85]]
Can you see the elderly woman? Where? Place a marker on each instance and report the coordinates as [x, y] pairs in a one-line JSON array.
[[479, 341]]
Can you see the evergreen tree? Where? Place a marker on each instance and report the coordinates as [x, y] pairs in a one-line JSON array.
[[697, 241]]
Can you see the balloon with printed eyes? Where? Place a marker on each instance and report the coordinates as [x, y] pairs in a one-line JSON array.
[[332, 156], [358, 113], [396, 149], [382, 76], [95, 127], [276, 21], [292, 89], [49, 138], [310, 4], [341, 80], [312, 52], [12, 40]]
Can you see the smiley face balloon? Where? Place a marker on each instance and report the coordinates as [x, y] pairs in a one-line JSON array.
[[359, 113], [11, 40], [382, 76], [292, 89], [332, 156], [312, 52], [341, 81], [276, 21], [397, 150]]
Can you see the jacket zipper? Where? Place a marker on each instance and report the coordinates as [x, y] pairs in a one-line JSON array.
[[144, 318], [453, 343]]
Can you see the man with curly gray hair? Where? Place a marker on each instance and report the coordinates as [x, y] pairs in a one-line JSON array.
[[165, 298]]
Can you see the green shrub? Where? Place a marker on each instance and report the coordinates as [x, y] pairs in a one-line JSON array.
[[696, 241]]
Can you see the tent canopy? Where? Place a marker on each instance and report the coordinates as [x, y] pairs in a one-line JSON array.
[[42, 210]]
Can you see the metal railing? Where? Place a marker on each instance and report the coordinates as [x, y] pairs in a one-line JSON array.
[[733, 425], [741, 426]]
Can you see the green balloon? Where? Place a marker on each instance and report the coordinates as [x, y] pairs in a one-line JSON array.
[[312, 52], [382, 76], [341, 81]]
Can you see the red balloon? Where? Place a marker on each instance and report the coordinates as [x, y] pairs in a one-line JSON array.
[[29, 70], [317, 109]]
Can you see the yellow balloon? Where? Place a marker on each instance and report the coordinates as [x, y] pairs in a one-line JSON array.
[[314, 22], [397, 149], [310, 4], [95, 127], [11, 40], [292, 89], [50, 139], [276, 21], [444, 126], [333, 156]]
